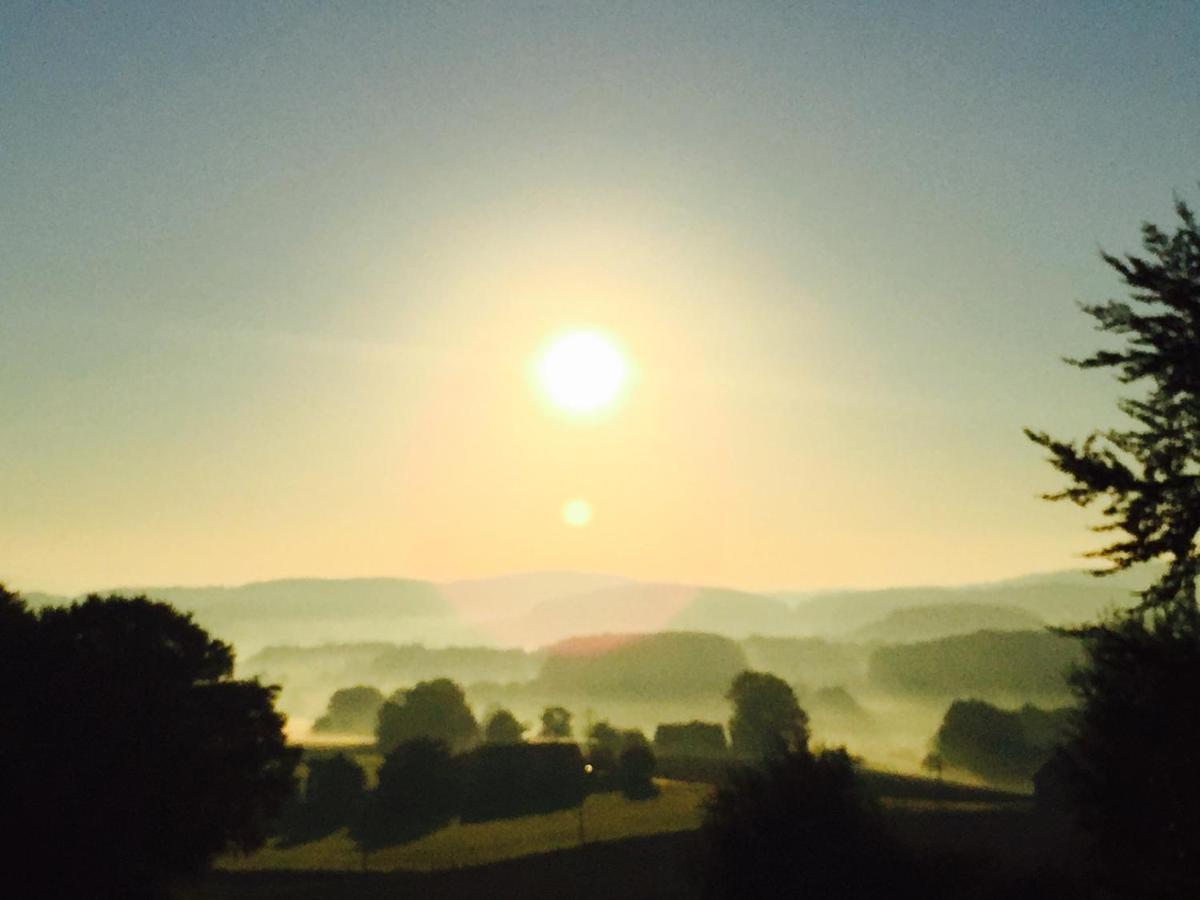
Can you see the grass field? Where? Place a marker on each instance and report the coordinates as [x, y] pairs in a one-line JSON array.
[[641, 868], [971, 842], [607, 817]]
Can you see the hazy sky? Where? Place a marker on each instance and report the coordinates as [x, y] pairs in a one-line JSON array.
[[272, 276]]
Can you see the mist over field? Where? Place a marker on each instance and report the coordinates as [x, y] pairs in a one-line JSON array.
[[876, 670]]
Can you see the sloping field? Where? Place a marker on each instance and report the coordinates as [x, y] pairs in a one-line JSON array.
[[643, 868], [606, 817]]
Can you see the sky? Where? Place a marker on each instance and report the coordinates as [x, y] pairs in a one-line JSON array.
[[273, 278]]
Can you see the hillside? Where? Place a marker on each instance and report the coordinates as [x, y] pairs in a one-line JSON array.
[[533, 610], [1023, 665], [927, 623], [671, 665], [1059, 598], [514, 596]]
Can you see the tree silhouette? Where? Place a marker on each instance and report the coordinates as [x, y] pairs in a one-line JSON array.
[[419, 791], [767, 718], [130, 753], [796, 825], [605, 738], [1000, 746], [432, 709], [503, 728], [556, 723], [603, 747], [354, 709], [1127, 769], [334, 794], [635, 767]]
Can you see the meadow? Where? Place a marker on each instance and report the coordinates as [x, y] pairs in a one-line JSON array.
[[974, 841], [606, 817]]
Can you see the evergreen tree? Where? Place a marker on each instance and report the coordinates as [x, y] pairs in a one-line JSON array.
[[1127, 769]]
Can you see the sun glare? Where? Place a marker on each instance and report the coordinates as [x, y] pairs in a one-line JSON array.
[[582, 372], [577, 513]]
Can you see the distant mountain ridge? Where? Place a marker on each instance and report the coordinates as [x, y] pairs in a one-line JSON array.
[[926, 623], [537, 609]]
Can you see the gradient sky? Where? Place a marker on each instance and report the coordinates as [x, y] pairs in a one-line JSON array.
[[272, 275]]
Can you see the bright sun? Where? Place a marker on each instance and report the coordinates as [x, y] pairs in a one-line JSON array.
[[582, 372]]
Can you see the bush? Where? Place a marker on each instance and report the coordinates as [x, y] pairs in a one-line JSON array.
[[333, 797], [690, 739], [797, 826], [507, 780], [419, 791], [635, 767]]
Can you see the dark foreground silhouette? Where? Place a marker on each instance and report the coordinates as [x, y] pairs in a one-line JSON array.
[[130, 754]]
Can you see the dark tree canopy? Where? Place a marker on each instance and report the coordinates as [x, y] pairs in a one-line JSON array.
[[669, 664], [353, 710], [1000, 746], [334, 793], [503, 728], [130, 752], [436, 710], [1032, 664], [556, 723], [690, 739], [635, 767], [797, 826], [603, 748], [1147, 476], [767, 719], [1128, 768], [507, 780], [419, 792], [603, 736]]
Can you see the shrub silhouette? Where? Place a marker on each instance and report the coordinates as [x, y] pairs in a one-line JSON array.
[[419, 792], [334, 794], [635, 767], [507, 780], [797, 826]]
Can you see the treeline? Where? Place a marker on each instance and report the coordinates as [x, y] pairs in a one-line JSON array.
[[1021, 664], [665, 665], [1003, 747], [422, 787], [440, 763], [310, 671]]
